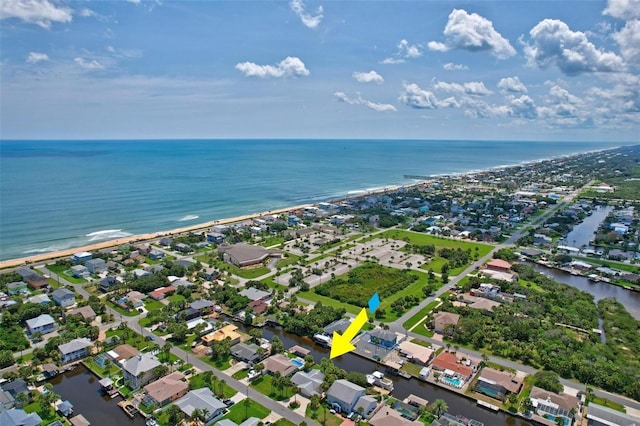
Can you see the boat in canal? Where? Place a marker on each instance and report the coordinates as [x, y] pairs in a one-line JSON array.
[[322, 340], [377, 379]]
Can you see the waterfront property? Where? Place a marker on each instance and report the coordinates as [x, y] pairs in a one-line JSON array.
[[81, 257], [139, 370], [415, 353], [247, 352], [17, 417], [226, 332], [343, 395], [387, 416], [74, 350], [95, 266], [385, 338], [452, 370], [279, 363], [204, 400], [497, 384], [166, 389], [42, 324], [552, 406]]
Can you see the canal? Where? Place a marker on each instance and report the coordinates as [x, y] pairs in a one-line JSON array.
[[82, 389], [582, 234], [458, 405], [600, 290]]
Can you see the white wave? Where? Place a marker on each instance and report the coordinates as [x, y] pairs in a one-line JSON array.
[[45, 249], [358, 191], [188, 217], [107, 234]]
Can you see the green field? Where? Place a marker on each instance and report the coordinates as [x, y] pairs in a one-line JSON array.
[[241, 411], [323, 416], [62, 272], [290, 259], [264, 385], [420, 315], [327, 301], [440, 242]]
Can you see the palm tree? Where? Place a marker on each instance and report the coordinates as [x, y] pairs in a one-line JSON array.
[[223, 382], [439, 407], [246, 402]]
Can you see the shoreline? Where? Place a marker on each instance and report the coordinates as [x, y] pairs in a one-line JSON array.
[[10, 263]]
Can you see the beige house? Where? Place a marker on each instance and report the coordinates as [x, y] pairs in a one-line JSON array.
[[228, 331], [166, 389], [445, 322]]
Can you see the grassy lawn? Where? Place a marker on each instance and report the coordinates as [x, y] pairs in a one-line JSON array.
[[134, 339], [175, 297], [420, 315], [131, 313], [421, 330], [263, 385], [153, 305], [606, 402], [241, 411], [611, 264], [283, 422], [240, 374], [244, 273], [290, 259], [272, 284], [101, 371], [47, 417], [220, 363], [412, 369], [61, 270], [439, 242], [272, 240], [197, 382], [309, 295], [321, 414]]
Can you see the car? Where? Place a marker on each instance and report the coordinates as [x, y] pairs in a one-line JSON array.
[[152, 337], [332, 411], [187, 372], [229, 402]]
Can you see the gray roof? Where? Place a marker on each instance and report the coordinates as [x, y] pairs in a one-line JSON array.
[[15, 387], [254, 293], [39, 298], [74, 345], [344, 390], [18, 417], [226, 422], [6, 397], [42, 320], [201, 304], [245, 350], [62, 293], [25, 272], [95, 262], [245, 252], [181, 282], [141, 363], [79, 268], [383, 334], [309, 381], [251, 421], [200, 398], [16, 284], [339, 326], [612, 417]]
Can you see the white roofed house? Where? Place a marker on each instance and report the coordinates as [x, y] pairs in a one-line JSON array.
[[80, 271], [343, 395], [74, 350], [139, 370], [42, 324], [204, 400]]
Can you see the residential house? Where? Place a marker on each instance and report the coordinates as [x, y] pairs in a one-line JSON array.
[[16, 287], [258, 306], [74, 350], [445, 322], [499, 265], [309, 382], [366, 406], [228, 331], [598, 415], [37, 282], [279, 363], [415, 353], [95, 266], [531, 253], [387, 416], [162, 292], [244, 255], [80, 271], [247, 352], [156, 254], [86, 312], [549, 404], [64, 407], [497, 384], [165, 242], [25, 272], [136, 298], [299, 351], [542, 240], [139, 370], [18, 417], [15, 388], [344, 395], [196, 322], [202, 306], [40, 299], [107, 284], [42, 324], [63, 297], [448, 364], [385, 338], [139, 273], [183, 248], [166, 389], [255, 294], [79, 420], [7, 401], [81, 257], [215, 237], [339, 325], [123, 352], [204, 400]]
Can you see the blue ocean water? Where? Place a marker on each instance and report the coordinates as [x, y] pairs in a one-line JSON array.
[[61, 194]]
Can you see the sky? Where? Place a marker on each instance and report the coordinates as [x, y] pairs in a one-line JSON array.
[[481, 70]]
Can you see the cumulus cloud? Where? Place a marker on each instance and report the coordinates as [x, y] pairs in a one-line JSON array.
[[35, 57], [628, 39], [553, 43], [623, 9], [368, 77], [39, 12], [474, 33], [379, 107], [415, 97], [523, 107], [90, 65], [454, 67], [471, 88], [309, 20], [512, 84], [405, 50], [291, 66]]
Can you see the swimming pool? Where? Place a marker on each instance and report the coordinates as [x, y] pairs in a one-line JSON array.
[[298, 362], [457, 382]]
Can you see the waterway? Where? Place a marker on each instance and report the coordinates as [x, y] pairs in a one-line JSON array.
[[458, 405], [583, 233], [82, 389], [600, 290]]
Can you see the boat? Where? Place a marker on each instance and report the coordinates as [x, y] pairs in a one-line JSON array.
[[593, 277], [128, 408], [151, 422], [377, 379], [322, 340]]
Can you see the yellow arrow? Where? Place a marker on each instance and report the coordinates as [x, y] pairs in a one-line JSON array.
[[342, 344]]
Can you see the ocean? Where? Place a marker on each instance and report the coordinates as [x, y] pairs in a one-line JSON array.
[[56, 195]]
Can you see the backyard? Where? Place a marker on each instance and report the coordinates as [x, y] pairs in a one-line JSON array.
[[243, 410]]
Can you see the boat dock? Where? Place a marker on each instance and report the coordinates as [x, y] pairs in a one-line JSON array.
[[487, 405], [128, 408]]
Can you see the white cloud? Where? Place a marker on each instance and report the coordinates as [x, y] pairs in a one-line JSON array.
[[512, 84], [471, 88], [35, 57], [623, 9], [379, 107], [523, 107], [628, 38], [310, 21], [86, 13], [390, 61], [415, 97], [90, 65], [454, 67], [368, 77], [134, 1], [555, 44], [405, 50], [39, 12], [474, 33], [288, 67]]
